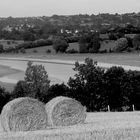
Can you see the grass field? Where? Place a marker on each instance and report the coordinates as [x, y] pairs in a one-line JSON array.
[[98, 126]]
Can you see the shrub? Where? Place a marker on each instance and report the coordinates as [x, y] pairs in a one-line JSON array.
[[103, 51], [35, 51], [72, 51], [22, 50], [57, 90], [121, 45], [8, 42], [83, 45], [1, 48], [20, 90], [136, 41], [4, 97], [48, 51], [60, 45], [95, 45]]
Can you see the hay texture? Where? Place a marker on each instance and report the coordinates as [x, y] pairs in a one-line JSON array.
[[64, 111], [24, 114]]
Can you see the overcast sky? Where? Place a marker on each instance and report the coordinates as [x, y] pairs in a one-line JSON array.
[[21, 8]]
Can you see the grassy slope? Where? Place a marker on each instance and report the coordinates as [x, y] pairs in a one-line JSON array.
[[99, 126]]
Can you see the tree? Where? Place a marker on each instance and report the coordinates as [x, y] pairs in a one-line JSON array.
[[60, 45], [4, 97], [88, 85], [118, 88], [1, 48], [94, 45], [136, 41], [20, 90], [36, 79], [83, 45], [57, 90], [28, 36], [121, 45]]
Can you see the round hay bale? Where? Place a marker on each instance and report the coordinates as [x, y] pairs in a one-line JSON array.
[[24, 114], [64, 111]]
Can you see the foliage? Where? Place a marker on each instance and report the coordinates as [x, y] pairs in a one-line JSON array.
[[60, 45], [88, 85], [94, 45], [83, 45], [72, 51], [121, 45], [20, 90], [37, 80], [4, 97], [35, 84], [48, 51], [136, 42], [57, 90], [1, 48], [118, 88], [28, 36], [22, 50]]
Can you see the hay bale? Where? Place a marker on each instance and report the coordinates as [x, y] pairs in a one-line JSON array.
[[64, 111], [24, 114]]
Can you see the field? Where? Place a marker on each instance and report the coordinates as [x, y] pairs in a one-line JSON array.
[[98, 126]]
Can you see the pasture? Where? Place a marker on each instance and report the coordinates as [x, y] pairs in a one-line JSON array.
[[98, 126]]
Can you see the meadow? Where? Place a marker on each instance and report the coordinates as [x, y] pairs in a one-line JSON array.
[[98, 126]]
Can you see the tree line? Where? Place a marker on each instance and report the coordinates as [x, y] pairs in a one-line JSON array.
[[95, 87]]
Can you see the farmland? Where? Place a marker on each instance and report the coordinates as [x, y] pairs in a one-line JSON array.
[[100, 126]]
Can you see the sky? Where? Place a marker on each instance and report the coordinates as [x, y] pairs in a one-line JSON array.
[[28, 8]]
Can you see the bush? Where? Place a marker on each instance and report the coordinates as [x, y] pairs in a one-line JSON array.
[[121, 45], [22, 50], [20, 90], [4, 97], [60, 45], [57, 90], [95, 45], [35, 51], [48, 51], [83, 45], [8, 42], [72, 51], [136, 42], [103, 51], [1, 48]]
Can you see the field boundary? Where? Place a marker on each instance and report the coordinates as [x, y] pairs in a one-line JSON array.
[[68, 62]]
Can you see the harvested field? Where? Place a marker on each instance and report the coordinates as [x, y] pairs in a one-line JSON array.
[[99, 126]]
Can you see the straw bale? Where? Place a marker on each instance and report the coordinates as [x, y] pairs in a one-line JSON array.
[[64, 111], [24, 114]]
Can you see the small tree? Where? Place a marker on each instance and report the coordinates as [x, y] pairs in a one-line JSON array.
[[37, 80], [121, 45], [60, 45]]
